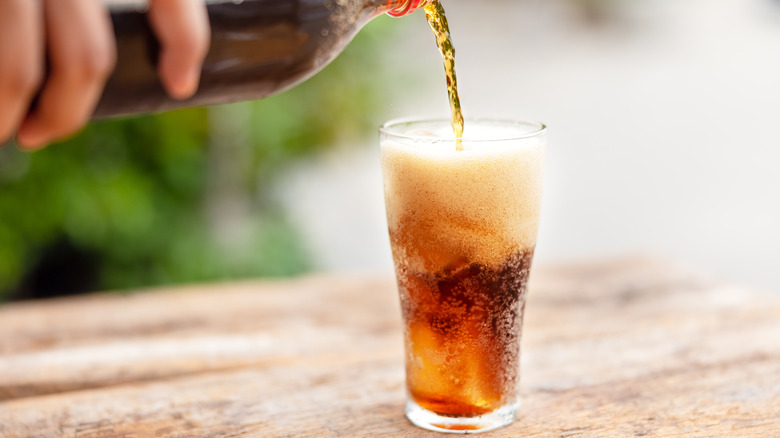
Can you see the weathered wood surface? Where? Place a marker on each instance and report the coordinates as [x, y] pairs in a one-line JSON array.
[[627, 347]]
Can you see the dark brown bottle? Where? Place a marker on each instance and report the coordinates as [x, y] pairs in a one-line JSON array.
[[258, 48]]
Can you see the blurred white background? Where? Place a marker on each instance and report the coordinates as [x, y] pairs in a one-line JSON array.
[[664, 120]]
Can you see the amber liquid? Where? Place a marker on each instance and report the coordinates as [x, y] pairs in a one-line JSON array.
[[437, 19], [463, 324], [463, 328]]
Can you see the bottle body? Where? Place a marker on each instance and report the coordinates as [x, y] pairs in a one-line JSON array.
[[258, 48]]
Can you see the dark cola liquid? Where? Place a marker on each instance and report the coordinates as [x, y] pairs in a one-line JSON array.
[[258, 48], [463, 329]]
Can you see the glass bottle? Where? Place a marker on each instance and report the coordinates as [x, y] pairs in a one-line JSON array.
[[258, 48]]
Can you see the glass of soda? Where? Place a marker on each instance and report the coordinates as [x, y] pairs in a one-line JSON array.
[[463, 226]]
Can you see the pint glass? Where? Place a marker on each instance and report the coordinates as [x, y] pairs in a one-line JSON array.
[[463, 227]]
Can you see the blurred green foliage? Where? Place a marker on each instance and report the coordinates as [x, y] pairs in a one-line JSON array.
[[130, 203]]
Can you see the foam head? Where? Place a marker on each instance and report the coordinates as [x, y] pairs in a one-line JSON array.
[[447, 207]]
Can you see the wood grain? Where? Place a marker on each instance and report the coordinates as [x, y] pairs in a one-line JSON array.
[[624, 347]]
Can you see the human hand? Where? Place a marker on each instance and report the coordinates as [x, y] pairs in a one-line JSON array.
[[77, 36]]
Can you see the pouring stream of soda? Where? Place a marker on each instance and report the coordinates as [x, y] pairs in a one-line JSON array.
[[434, 12]]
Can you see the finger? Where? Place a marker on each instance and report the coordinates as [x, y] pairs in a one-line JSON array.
[[82, 54], [182, 26], [21, 61]]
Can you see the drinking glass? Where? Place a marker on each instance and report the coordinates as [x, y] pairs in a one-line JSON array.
[[463, 227]]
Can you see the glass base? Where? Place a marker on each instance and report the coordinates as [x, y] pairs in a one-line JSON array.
[[426, 419]]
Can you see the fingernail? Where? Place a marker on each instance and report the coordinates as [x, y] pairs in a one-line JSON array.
[[29, 142], [187, 85]]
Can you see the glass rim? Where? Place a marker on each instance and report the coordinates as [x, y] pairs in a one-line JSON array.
[[538, 129]]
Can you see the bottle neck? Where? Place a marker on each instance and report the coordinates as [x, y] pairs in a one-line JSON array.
[[399, 8]]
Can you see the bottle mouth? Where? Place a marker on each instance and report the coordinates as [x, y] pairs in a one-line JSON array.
[[407, 8]]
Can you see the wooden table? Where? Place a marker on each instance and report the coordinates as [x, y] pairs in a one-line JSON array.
[[625, 347]]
